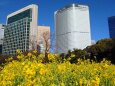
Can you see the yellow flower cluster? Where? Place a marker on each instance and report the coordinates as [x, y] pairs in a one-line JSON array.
[[29, 72]]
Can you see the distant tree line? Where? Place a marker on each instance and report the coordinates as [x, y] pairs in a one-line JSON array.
[[104, 48]]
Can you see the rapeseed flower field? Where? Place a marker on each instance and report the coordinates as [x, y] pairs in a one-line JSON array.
[[29, 70]]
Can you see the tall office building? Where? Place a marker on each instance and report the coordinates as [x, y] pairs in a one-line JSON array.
[[111, 22], [2, 27], [21, 29], [43, 38], [72, 28]]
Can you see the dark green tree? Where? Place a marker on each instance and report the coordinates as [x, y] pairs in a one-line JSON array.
[[103, 49]]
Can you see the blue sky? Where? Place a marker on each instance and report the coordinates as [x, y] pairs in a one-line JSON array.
[[100, 10]]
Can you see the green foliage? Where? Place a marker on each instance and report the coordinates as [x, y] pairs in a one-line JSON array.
[[74, 55], [104, 48]]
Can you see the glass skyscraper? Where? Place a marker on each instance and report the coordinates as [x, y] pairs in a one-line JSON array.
[[111, 22], [21, 29]]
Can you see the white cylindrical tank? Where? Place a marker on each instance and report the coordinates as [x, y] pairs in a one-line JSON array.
[[72, 28]]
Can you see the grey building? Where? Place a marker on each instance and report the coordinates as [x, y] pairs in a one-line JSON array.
[[2, 27], [21, 29], [72, 28]]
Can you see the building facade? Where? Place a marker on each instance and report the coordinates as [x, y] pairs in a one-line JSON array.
[[43, 38], [72, 28], [2, 27], [21, 29], [111, 22]]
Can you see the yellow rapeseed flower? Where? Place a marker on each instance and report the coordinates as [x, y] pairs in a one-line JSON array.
[[42, 71], [29, 54], [62, 84], [40, 65], [113, 73], [19, 57], [34, 51], [18, 51], [42, 79], [30, 71], [113, 79], [106, 66], [97, 80], [33, 72], [81, 82], [51, 57], [62, 68], [9, 59], [51, 78], [53, 84]]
